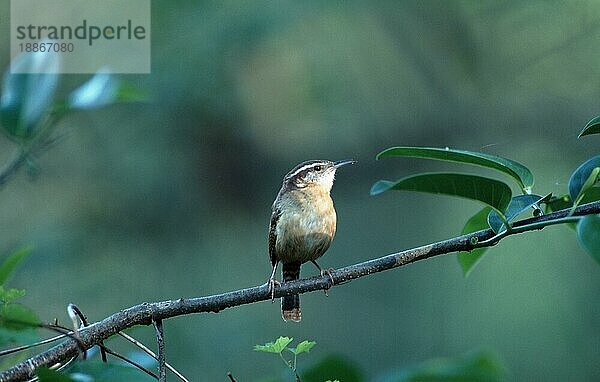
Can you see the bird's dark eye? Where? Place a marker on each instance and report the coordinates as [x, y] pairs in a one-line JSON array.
[[317, 168]]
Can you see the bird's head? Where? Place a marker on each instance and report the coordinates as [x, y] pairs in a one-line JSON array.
[[319, 173]]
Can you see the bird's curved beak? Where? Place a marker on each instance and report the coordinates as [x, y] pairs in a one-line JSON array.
[[344, 162]]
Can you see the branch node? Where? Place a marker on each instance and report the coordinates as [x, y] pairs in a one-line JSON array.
[[473, 240]]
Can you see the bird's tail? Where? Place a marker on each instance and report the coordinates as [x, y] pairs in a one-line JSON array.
[[290, 305]]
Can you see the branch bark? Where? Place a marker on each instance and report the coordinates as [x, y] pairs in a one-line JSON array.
[[160, 340], [146, 313]]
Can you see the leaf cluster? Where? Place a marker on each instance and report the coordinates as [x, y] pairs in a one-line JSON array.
[[29, 107], [17, 322], [282, 343], [501, 207]]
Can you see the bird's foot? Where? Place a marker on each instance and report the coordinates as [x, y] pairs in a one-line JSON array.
[[272, 284], [328, 272]]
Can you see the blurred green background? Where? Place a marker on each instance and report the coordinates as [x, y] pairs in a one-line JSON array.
[[169, 199]]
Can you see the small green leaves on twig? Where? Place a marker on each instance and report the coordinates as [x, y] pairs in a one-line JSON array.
[[280, 345], [303, 347], [16, 320], [274, 347]]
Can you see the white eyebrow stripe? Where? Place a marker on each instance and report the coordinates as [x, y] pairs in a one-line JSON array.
[[305, 167]]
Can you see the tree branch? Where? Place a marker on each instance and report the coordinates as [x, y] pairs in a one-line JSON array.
[[160, 340], [146, 313]]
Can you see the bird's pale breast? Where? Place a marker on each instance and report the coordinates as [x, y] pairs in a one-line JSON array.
[[305, 230]]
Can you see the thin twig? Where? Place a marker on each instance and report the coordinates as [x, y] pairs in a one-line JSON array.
[[59, 366], [160, 340], [131, 362], [145, 349], [25, 347], [104, 349], [524, 228], [145, 313], [230, 376]]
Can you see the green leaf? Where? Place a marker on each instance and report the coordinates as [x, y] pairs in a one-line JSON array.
[[11, 262], [108, 372], [274, 347], [9, 295], [333, 367], [16, 317], [477, 222], [588, 232], [101, 90], [303, 347], [47, 375], [517, 206], [21, 336], [27, 94], [492, 192], [516, 170], [583, 178], [557, 203], [592, 127], [382, 186], [479, 367], [591, 195], [587, 185], [563, 202]]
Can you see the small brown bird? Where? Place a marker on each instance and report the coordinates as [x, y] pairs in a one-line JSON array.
[[302, 224]]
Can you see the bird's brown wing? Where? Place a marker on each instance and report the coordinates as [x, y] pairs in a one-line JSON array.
[[273, 236]]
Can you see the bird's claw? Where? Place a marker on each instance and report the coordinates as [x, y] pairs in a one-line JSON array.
[[272, 284], [328, 272]]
